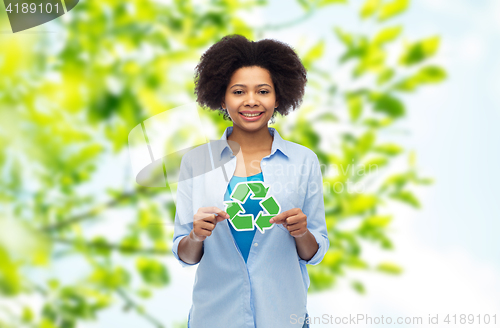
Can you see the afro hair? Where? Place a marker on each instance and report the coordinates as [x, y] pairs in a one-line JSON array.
[[221, 60]]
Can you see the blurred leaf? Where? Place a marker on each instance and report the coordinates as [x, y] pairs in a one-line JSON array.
[[389, 149], [392, 9], [387, 35], [356, 263], [419, 51], [144, 293], [372, 59], [27, 315], [374, 123], [355, 104], [389, 267], [377, 221], [358, 287], [345, 37], [53, 284], [332, 258], [45, 323], [309, 4], [366, 142], [101, 246], [396, 180], [384, 76], [375, 162], [10, 280], [425, 181], [323, 3], [386, 243], [426, 75], [320, 278], [307, 136], [305, 4], [369, 8], [152, 272], [388, 104], [156, 231], [406, 197], [111, 279], [129, 244], [315, 53], [359, 204]]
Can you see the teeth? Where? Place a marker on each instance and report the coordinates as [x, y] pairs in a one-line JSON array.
[[250, 115]]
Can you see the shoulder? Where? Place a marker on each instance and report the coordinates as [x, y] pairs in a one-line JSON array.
[[299, 152]]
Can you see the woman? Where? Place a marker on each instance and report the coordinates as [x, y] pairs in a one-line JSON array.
[[257, 276]]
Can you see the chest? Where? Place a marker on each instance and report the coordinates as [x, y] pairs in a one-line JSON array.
[[248, 164]]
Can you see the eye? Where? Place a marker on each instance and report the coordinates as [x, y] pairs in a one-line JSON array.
[[237, 93], [264, 91]]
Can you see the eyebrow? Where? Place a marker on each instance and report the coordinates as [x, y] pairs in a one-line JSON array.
[[242, 85]]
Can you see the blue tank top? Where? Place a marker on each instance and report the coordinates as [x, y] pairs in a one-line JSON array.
[[244, 238]]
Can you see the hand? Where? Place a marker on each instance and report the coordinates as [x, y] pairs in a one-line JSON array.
[[204, 221], [293, 220]]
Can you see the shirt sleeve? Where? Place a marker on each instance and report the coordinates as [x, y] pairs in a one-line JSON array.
[[183, 209], [314, 209]]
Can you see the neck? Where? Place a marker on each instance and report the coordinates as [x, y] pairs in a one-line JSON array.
[[250, 141]]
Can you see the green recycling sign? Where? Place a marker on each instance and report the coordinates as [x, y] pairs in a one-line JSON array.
[[245, 222]]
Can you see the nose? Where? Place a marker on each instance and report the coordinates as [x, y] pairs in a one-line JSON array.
[[251, 100]]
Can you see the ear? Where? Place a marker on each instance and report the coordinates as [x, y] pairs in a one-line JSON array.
[[223, 104], [277, 103]]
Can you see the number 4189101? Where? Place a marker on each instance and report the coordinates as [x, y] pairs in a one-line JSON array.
[[471, 319], [32, 8]]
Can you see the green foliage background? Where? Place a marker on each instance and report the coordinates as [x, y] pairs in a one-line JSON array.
[[68, 101]]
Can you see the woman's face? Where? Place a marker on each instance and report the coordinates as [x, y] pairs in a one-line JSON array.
[[250, 98]]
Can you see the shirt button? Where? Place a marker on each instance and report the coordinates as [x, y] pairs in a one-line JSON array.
[[264, 164], [256, 244]]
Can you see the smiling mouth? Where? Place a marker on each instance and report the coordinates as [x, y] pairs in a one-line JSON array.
[[251, 114]]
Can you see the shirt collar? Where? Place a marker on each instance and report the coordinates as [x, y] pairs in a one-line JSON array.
[[278, 142]]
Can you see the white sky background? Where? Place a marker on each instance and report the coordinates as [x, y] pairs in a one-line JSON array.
[[449, 250]]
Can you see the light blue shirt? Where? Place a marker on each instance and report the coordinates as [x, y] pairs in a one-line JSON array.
[[270, 290], [244, 239]]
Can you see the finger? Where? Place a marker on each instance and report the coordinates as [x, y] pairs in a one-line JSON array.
[[203, 233], [222, 216], [207, 225], [212, 209], [294, 219], [215, 210], [209, 218], [294, 227], [279, 219]]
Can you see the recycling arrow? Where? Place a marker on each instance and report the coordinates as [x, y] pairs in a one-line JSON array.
[[241, 192], [240, 222], [272, 207], [246, 222], [258, 189]]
